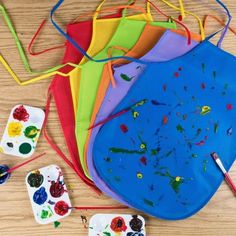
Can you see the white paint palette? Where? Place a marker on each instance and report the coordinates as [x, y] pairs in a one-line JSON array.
[[22, 131], [48, 194], [117, 225]]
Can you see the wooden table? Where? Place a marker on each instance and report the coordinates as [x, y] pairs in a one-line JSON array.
[[16, 218]]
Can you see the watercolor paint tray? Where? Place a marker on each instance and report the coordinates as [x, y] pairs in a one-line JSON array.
[[117, 225], [48, 194], [22, 131]]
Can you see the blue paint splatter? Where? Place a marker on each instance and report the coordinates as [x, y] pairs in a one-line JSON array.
[[40, 196]]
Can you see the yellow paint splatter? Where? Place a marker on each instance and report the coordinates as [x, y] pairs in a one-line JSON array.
[[205, 110], [139, 175], [177, 179], [1, 150], [14, 129]]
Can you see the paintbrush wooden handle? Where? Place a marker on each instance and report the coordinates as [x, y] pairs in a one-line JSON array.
[[230, 183]]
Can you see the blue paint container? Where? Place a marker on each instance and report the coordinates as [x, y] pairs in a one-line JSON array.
[[3, 179]]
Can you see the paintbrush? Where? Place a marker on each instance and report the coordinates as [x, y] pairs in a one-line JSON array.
[[20, 165], [226, 174]]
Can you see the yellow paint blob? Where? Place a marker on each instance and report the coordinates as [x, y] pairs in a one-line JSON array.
[[139, 175], [177, 179], [142, 146], [135, 114], [205, 110], [14, 129]]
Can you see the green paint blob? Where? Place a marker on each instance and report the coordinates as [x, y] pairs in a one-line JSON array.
[[148, 202], [180, 128], [25, 148], [126, 77], [125, 151], [45, 214], [216, 127], [31, 132], [106, 234], [203, 67], [56, 224]]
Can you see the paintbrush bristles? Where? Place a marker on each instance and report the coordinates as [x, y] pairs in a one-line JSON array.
[[2, 174]]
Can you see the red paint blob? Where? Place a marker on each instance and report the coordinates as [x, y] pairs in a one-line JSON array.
[[201, 143], [21, 114], [118, 225], [143, 160], [57, 189], [229, 107], [165, 120], [176, 74], [203, 86], [180, 17], [61, 208], [124, 128]]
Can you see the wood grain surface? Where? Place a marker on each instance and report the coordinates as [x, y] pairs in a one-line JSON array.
[[16, 217]]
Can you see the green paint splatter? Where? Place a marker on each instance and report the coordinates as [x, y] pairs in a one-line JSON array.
[[169, 153], [106, 234], [180, 128], [125, 151], [214, 75], [204, 165], [25, 148], [56, 224], [141, 103], [117, 178], [203, 67], [216, 127], [46, 214], [175, 182], [126, 77], [194, 155], [199, 130], [31, 132], [148, 202], [109, 170], [226, 86]]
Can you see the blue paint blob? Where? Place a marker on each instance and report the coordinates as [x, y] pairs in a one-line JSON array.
[[40, 196], [3, 179]]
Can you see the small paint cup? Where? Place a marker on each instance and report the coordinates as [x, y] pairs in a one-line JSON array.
[[3, 179]]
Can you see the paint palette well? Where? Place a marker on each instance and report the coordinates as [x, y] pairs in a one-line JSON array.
[[116, 225], [48, 194], [22, 131]]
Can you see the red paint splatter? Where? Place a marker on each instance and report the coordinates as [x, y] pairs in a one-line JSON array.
[[203, 86], [61, 208], [229, 107], [201, 143], [124, 128], [180, 17], [164, 87], [165, 120], [176, 74], [21, 114], [118, 225], [143, 160]]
